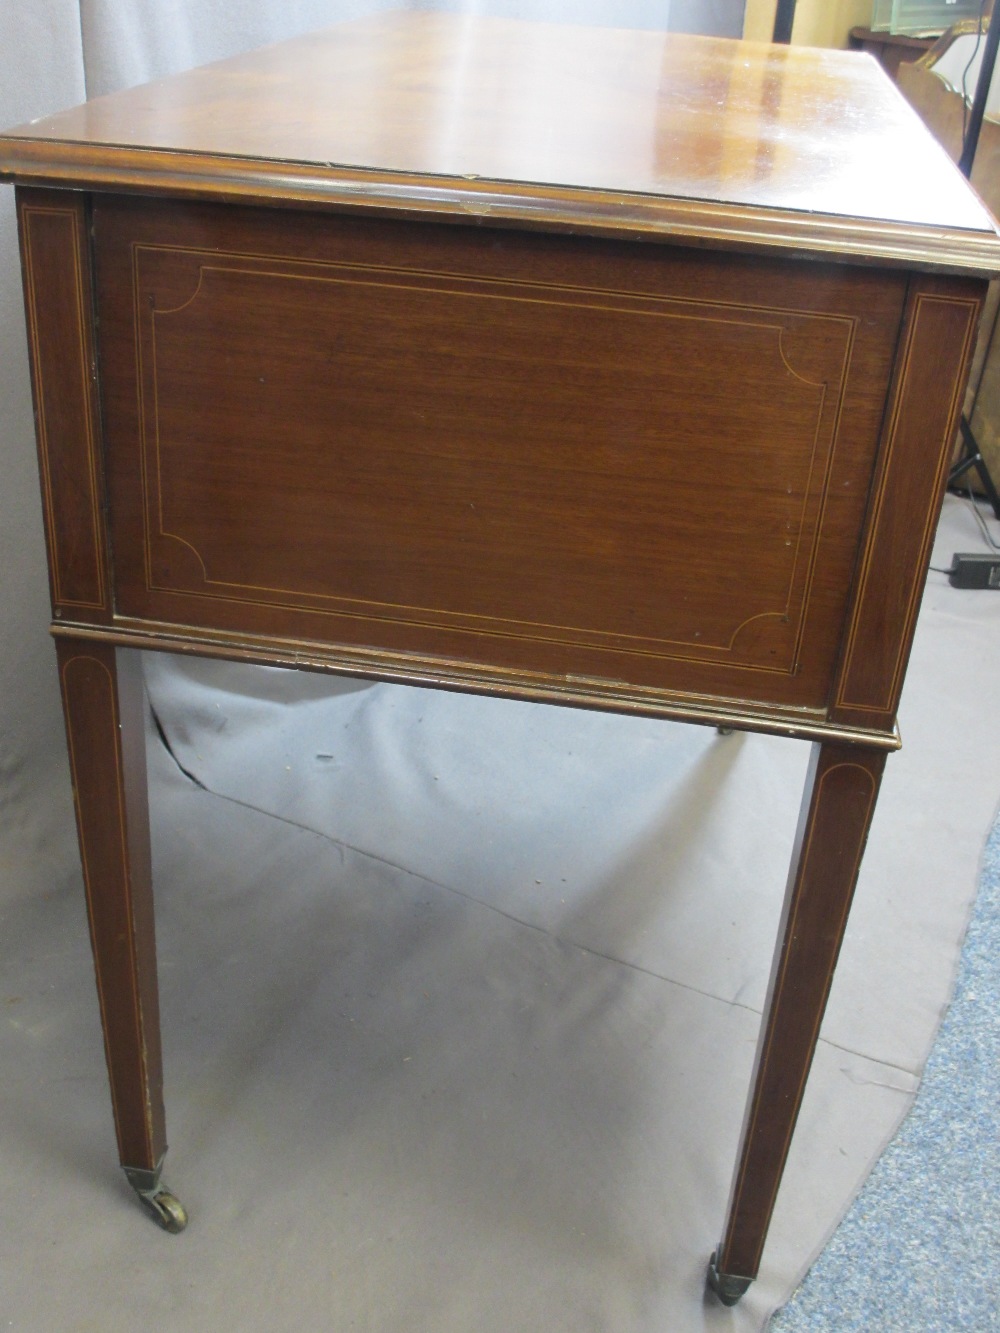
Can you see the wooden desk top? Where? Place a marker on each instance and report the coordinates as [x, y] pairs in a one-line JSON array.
[[603, 130]]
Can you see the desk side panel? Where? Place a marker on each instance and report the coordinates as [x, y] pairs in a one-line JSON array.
[[556, 457]]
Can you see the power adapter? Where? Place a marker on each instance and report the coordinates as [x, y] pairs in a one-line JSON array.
[[975, 571]]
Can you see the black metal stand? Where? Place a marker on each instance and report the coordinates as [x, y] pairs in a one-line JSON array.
[[979, 100], [783, 19], [971, 455]]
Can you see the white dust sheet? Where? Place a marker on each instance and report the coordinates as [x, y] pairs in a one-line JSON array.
[[460, 999]]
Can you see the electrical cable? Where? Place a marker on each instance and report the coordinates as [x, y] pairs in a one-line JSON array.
[[994, 546], [970, 499], [965, 72]]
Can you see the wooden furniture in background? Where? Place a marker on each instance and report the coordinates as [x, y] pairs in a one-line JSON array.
[[940, 106], [890, 49], [386, 352]]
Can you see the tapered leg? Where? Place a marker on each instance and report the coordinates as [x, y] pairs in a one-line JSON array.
[[837, 808], [103, 705]]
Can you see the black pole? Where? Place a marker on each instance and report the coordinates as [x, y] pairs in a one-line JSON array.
[[979, 100], [971, 454], [783, 19]]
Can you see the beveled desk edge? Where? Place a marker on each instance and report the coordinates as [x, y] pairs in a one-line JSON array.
[[438, 673], [471, 200]]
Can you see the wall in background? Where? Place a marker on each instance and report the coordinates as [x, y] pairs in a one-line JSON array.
[[827, 22], [817, 22], [714, 18]]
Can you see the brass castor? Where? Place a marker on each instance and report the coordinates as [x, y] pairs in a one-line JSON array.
[[163, 1206], [166, 1209], [726, 1286]]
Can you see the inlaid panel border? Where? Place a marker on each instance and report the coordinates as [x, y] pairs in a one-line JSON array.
[[63, 382], [892, 536], [95, 678], [772, 319], [865, 775]]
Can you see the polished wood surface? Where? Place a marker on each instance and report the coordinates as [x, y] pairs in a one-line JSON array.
[[541, 123], [351, 438], [841, 789], [59, 300], [922, 410], [524, 496], [104, 705]]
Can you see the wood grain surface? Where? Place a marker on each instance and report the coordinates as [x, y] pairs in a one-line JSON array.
[[841, 789], [921, 421], [104, 707], [542, 123], [488, 447], [58, 301]]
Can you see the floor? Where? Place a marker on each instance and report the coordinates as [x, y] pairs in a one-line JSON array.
[[459, 1005]]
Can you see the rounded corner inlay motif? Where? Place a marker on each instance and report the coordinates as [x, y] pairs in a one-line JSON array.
[[188, 551]]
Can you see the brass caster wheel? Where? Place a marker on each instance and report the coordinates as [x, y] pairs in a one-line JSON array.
[[727, 1287], [166, 1209]]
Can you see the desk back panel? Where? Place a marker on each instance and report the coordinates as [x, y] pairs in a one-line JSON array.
[[544, 454]]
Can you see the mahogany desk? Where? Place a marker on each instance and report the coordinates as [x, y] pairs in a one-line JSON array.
[[607, 368]]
